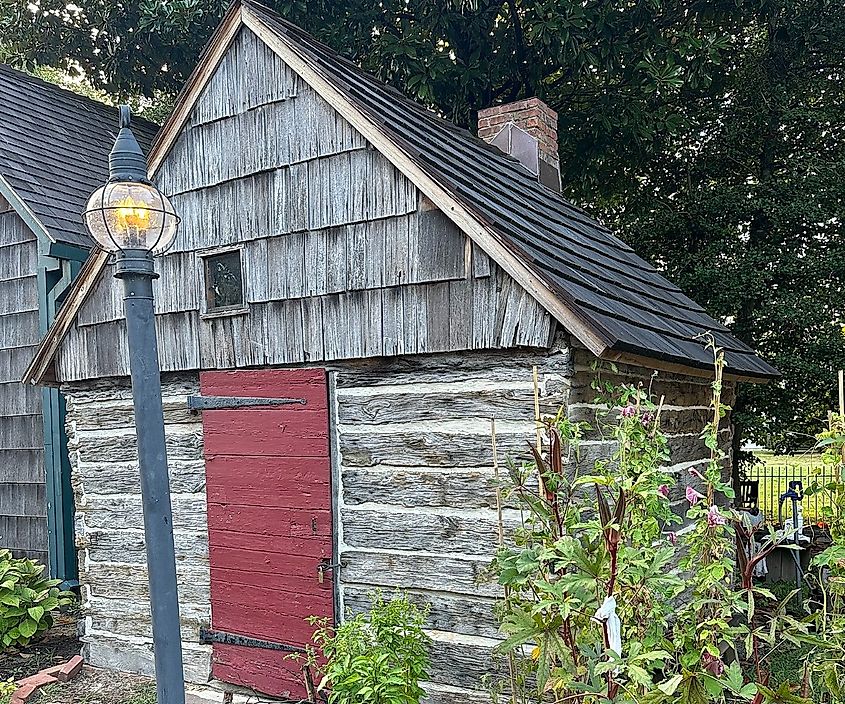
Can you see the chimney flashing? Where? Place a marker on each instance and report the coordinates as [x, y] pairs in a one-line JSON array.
[[527, 131]]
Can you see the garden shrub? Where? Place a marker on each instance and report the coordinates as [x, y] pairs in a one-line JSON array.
[[604, 600], [375, 658], [27, 600]]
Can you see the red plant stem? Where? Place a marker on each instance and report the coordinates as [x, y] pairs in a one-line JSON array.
[[614, 566]]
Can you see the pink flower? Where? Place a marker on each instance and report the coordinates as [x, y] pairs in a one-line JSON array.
[[663, 490], [693, 496], [696, 474], [714, 665], [673, 537], [629, 411], [714, 518], [647, 418]]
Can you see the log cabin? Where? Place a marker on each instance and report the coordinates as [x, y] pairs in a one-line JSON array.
[[398, 279], [53, 149]]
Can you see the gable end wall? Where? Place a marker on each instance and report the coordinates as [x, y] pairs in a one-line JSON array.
[[343, 257]]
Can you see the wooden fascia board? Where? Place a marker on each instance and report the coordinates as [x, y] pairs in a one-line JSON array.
[[217, 48], [24, 212], [65, 316], [434, 191], [677, 368]]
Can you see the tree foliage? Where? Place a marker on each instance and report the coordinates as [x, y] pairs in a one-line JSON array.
[[707, 132]]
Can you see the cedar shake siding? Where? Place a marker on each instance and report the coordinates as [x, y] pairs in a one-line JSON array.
[[23, 505]]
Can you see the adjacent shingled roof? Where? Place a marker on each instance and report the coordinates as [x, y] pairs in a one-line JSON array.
[[54, 147], [620, 296]]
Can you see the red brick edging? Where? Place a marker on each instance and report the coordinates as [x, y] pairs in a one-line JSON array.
[[58, 673]]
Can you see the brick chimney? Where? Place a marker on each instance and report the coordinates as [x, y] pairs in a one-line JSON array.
[[527, 130]]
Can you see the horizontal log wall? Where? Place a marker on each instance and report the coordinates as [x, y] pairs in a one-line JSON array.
[[418, 498], [414, 483], [23, 505], [685, 413], [342, 256], [417, 504], [109, 526]]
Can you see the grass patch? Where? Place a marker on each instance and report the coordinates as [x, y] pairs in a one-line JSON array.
[[146, 694]]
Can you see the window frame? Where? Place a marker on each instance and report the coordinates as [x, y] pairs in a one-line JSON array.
[[226, 311]]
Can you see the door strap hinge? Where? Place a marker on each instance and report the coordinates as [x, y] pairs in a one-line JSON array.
[[208, 635], [213, 403]]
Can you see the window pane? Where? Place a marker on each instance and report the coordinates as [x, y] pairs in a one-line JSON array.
[[224, 281]]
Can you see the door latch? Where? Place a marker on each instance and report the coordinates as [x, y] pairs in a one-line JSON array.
[[324, 566]]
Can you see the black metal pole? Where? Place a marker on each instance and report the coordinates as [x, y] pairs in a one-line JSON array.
[[135, 267]]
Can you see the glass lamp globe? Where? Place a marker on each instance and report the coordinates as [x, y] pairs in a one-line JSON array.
[[131, 215]]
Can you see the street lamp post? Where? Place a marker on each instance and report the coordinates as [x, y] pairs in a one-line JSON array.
[[132, 219]]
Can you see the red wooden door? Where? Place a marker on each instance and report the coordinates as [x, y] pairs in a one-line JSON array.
[[269, 520]]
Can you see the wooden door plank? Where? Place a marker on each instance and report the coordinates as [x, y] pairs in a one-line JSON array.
[[268, 476]]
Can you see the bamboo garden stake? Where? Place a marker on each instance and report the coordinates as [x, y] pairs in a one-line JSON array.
[[511, 664]]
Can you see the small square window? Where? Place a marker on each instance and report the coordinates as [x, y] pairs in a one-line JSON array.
[[224, 282]]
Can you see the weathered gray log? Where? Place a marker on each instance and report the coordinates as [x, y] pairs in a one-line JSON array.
[[412, 487], [437, 695], [465, 666], [105, 417], [428, 448], [126, 655], [411, 571], [129, 582], [123, 477], [184, 447], [446, 612], [426, 532], [128, 546], [393, 407], [450, 368], [124, 512]]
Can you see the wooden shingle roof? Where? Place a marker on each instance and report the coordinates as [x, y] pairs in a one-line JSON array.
[[617, 295], [54, 147]]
